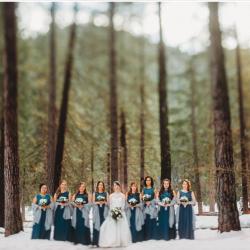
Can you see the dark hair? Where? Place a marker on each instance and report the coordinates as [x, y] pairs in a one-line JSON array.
[[98, 185], [58, 191], [78, 187], [130, 187], [40, 186], [170, 190], [152, 181]]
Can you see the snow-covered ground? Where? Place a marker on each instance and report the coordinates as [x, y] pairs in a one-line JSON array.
[[206, 238]]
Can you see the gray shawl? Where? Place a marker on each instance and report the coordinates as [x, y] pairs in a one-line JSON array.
[[37, 212]]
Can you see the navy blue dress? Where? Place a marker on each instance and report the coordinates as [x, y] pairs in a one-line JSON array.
[[101, 214], [185, 225], [150, 229], [38, 230], [81, 234], [165, 232], [62, 229], [136, 235]]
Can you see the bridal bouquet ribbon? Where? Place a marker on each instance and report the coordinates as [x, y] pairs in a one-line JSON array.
[[116, 213]]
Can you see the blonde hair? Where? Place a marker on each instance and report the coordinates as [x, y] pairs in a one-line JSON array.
[[188, 184]]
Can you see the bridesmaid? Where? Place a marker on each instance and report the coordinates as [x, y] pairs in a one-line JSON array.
[[62, 220], [43, 215], [186, 217], [135, 213], [100, 210], [166, 214], [80, 219], [150, 209]]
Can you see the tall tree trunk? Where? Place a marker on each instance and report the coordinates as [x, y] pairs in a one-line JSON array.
[[1, 158], [51, 142], [225, 177], [163, 108], [13, 220], [142, 112], [243, 139], [92, 168], [194, 138], [113, 96], [64, 104], [108, 173], [212, 193], [124, 149]]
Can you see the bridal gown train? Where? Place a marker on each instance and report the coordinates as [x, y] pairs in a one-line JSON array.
[[115, 233]]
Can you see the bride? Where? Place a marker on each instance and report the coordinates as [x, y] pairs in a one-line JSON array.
[[115, 232]]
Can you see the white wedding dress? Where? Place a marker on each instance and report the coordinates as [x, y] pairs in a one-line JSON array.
[[115, 233]]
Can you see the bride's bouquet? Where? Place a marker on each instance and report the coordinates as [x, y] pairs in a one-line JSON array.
[[146, 197], [133, 202], [184, 200], [116, 213]]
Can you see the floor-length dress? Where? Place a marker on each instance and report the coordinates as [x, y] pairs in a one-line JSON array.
[[115, 233], [101, 209], [39, 230], [185, 223], [165, 232]]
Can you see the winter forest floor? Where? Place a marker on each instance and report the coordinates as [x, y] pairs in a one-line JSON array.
[[206, 238]]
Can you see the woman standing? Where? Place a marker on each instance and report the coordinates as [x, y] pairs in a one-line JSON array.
[[150, 209], [100, 210], [43, 215], [80, 218], [185, 215], [166, 214], [135, 213], [63, 210], [114, 231]]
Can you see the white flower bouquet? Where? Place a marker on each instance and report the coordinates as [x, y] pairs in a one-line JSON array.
[[146, 197], [116, 213]]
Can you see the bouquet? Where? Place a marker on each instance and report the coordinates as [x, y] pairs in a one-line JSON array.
[[79, 201], [133, 202], [43, 203], [166, 201], [184, 200], [116, 213], [146, 197], [101, 198], [62, 199]]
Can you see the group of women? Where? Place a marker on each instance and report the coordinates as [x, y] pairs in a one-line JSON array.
[[143, 216]]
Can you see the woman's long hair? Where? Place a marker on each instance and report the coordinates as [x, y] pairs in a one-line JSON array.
[[78, 187], [58, 191], [98, 185], [152, 181], [130, 187], [170, 190]]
